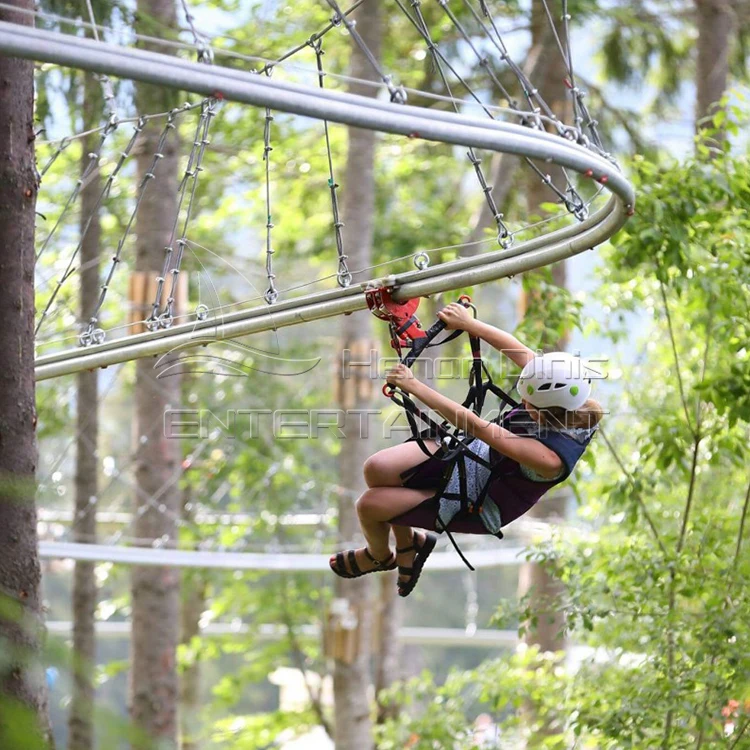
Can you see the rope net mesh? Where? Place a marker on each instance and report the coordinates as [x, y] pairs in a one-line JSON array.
[[275, 156], [238, 162]]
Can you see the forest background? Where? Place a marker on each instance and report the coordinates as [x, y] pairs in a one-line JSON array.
[[629, 606]]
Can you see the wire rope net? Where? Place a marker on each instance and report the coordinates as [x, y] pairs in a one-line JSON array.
[[248, 257], [473, 25]]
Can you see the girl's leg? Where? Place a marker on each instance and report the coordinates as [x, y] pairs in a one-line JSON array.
[[379, 504], [405, 539], [384, 468], [374, 508]]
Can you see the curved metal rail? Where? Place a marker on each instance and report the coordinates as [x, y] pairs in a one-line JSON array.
[[346, 109]]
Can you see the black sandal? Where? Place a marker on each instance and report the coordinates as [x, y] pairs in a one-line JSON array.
[[341, 571], [423, 551]]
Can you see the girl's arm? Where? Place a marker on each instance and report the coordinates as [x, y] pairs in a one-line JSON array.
[[457, 316], [527, 451]]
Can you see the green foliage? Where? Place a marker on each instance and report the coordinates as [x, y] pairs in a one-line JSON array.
[[261, 731], [19, 728], [429, 715], [655, 585], [658, 587], [434, 716], [647, 43], [551, 313]]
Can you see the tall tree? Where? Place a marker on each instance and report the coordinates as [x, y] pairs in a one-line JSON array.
[[80, 719], [23, 711], [194, 600], [715, 22], [155, 591], [504, 167], [387, 663], [351, 682], [535, 579]]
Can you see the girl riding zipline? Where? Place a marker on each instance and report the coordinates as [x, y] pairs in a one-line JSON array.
[[497, 477]]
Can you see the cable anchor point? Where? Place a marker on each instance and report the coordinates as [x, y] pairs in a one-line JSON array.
[[422, 260]]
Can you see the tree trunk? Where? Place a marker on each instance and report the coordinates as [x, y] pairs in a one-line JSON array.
[[504, 167], [155, 590], [351, 682], [81, 718], [193, 605], [715, 21], [23, 707], [534, 579], [388, 664]]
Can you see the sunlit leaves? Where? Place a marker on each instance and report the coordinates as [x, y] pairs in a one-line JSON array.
[[655, 582]]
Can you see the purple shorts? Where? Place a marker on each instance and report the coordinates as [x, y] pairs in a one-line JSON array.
[[429, 476]]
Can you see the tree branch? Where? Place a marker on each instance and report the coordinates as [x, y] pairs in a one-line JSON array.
[[676, 356], [741, 533], [697, 434], [691, 492], [697, 438], [629, 477], [298, 657], [702, 732], [739, 736]]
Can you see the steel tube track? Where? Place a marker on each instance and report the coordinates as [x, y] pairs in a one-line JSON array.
[[73, 51], [401, 280], [304, 310], [347, 109]]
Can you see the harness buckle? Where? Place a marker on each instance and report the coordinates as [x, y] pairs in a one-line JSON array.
[[389, 390]]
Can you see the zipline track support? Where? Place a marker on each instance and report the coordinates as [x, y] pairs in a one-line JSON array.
[[346, 109]]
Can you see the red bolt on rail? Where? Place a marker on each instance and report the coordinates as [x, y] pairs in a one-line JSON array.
[[589, 173], [604, 179], [218, 95], [413, 135]]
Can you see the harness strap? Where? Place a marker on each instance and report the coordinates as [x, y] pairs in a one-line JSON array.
[[407, 324], [455, 545], [502, 395], [411, 410], [455, 449], [461, 448], [494, 473], [452, 336], [420, 344]]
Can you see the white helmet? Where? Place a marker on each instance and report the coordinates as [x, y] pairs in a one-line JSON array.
[[555, 379]]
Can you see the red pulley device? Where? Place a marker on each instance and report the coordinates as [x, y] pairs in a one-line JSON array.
[[405, 325]]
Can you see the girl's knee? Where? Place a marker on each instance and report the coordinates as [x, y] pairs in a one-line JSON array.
[[367, 502], [374, 470]]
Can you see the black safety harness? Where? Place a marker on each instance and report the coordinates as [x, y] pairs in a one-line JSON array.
[[406, 332]]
